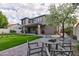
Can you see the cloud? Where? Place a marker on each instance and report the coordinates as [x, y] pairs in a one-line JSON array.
[[16, 11]]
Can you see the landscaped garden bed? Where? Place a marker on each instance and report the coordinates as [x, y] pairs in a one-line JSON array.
[[76, 51], [11, 40]]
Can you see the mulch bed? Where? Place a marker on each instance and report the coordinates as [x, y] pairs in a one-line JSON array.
[[75, 51]]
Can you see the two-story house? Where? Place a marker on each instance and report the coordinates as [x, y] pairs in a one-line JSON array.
[[36, 25]]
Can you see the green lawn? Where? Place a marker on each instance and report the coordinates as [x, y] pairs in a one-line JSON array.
[[8, 41]]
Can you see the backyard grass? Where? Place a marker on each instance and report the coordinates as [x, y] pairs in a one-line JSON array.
[[8, 41]]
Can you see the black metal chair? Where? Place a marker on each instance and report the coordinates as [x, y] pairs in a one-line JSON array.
[[65, 48], [33, 48], [62, 52]]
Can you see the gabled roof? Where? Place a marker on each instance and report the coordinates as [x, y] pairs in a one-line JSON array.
[[32, 18], [38, 16], [24, 18]]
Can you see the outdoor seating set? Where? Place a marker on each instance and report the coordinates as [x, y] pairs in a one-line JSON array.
[[51, 46]]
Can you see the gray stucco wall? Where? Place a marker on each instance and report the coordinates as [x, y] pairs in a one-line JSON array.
[[49, 30]]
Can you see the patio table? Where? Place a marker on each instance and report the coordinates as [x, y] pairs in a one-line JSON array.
[[45, 41], [55, 36]]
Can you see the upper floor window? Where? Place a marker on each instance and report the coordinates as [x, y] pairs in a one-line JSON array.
[[39, 20], [30, 21], [35, 20], [24, 21]]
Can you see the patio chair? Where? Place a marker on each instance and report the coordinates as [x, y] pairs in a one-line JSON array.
[[62, 52], [47, 50], [33, 48], [67, 43], [64, 48]]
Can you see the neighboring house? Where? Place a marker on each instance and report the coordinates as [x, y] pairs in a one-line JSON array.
[[36, 25], [15, 27]]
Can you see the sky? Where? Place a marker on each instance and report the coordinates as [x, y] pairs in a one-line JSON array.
[[39, 1], [16, 11]]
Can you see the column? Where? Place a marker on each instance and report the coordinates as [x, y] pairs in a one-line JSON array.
[[24, 29], [39, 29]]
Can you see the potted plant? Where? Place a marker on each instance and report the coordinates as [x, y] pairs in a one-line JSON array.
[[69, 31]]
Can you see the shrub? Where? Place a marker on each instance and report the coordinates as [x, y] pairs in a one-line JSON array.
[[69, 31], [12, 31], [74, 37]]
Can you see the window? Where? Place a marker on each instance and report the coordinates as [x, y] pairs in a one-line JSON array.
[[35, 20], [23, 21], [38, 20], [41, 19]]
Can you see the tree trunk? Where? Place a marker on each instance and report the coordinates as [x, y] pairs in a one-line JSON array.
[[63, 33], [63, 30]]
